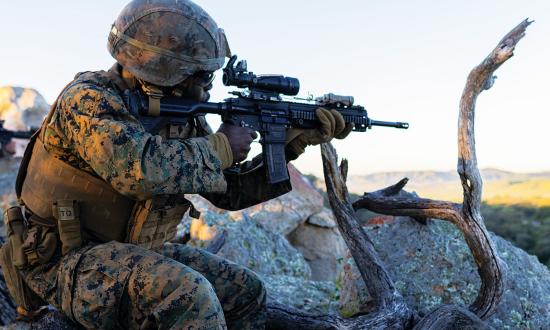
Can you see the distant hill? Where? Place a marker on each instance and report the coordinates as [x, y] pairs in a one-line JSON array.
[[500, 187]]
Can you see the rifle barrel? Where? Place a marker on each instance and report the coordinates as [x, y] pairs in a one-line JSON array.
[[389, 124]]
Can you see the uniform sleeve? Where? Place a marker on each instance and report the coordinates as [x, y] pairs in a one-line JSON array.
[[248, 188], [136, 163]]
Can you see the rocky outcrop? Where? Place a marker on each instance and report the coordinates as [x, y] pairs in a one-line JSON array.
[[432, 265], [255, 236], [262, 251], [317, 297], [321, 244], [22, 108], [280, 215]]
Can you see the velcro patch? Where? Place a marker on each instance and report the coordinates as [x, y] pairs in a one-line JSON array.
[[66, 213]]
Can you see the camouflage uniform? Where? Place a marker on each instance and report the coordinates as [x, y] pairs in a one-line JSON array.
[[108, 285]]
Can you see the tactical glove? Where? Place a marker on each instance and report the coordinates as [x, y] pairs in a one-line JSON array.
[[221, 145], [232, 143], [239, 139], [332, 126]]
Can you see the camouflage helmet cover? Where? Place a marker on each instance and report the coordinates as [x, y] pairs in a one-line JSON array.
[[165, 41]]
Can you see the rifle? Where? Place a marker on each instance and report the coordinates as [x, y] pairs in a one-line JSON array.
[[7, 135], [259, 107]]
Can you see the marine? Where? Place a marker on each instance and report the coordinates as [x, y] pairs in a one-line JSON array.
[[101, 197]]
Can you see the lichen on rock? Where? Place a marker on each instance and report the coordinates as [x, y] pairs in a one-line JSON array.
[[432, 265]]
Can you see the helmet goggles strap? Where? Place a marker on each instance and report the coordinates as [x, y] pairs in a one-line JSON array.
[[142, 45]]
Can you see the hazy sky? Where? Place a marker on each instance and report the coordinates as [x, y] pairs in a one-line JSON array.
[[402, 60]]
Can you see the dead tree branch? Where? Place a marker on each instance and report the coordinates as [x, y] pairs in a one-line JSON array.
[[451, 317], [466, 216], [378, 281], [389, 309]]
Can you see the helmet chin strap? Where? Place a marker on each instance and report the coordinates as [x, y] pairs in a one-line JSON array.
[[155, 93]]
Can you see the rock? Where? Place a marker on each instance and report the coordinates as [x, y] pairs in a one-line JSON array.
[[317, 297], [250, 245], [21, 109], [280, 215], [321, 244], [324, 219], [255, 235], [432, 265]]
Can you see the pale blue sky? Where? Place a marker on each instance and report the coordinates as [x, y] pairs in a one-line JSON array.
[[402, 60]]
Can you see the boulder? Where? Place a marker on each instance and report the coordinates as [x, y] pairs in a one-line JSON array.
[[21, 109], [255, 236], [432, 265], [280, 215], [249, 244], [321, 244], [317, 297]]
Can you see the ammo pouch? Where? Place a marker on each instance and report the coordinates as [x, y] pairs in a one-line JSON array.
[[13, 256], [68, 223], [31, 244], [40, 245], [155, 221]]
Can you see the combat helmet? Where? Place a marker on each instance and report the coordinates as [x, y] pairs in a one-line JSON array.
[[165, 41]]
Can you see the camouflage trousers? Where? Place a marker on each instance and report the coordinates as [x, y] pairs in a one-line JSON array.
[[116, 285]]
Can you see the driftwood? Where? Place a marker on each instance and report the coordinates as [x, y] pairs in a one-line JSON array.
[[394, 201]]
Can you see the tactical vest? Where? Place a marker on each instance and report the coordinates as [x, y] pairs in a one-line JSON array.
[[104, 214]]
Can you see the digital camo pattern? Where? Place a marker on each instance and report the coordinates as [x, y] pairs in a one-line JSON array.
[[239, 290], [122, 285], [116, 284], [91, 129]]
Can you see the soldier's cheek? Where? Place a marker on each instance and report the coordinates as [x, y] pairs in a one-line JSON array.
[[206, 97], [199, 94]]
